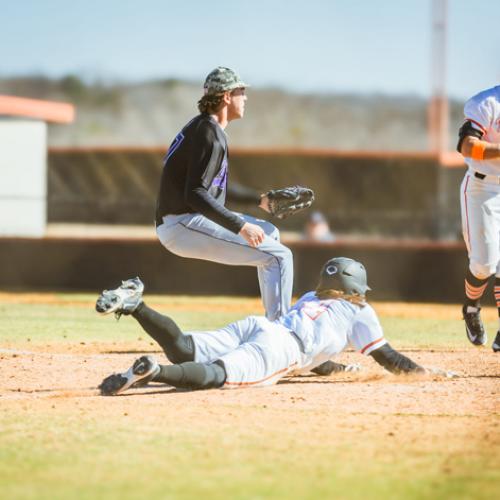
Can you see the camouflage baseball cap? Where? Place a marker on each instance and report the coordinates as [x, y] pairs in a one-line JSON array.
[[221, 80]]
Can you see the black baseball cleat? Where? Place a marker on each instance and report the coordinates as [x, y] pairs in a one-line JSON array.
[[139, 374], [474, 325], [496, 343]]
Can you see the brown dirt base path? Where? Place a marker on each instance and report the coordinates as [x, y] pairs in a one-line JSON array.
[[72, 374]]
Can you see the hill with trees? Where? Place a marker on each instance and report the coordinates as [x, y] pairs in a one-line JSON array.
[[150, 113]]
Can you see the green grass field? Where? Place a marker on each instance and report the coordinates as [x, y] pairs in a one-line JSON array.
[[342, 437], [73, 319]]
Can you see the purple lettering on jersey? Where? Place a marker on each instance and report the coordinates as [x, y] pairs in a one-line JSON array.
[[220, 179], [173, 147]]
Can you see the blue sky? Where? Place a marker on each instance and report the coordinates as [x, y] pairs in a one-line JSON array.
[[301, 45]]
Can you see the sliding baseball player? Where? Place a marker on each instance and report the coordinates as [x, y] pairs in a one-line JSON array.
[[256, 351]]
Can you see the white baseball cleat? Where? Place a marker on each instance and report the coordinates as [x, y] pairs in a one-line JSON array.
[[121, 300], [140, 373]]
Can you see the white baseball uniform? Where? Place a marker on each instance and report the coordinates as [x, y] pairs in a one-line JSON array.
[[480, 189], [256, 351]]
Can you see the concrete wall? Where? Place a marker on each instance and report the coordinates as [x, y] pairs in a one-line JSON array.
[[391, 196], [23, 171], [396, 271]]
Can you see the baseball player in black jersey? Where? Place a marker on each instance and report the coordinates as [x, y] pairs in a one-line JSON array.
[[191, 218]]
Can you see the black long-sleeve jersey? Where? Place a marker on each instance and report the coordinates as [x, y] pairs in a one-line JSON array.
[[386, 356], [195, 173]]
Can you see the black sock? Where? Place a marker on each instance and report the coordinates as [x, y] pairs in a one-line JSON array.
[[177, 346], [474, 289], [192, 375]]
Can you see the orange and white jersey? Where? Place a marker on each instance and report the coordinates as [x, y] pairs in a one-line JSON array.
[[483, 111], [326, 327], [257, 352]]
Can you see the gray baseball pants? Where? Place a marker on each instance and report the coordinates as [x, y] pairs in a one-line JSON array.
[[194, 236]]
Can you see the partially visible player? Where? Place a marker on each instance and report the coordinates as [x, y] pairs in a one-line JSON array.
[[256, 351], [191, 217], [479, 143]]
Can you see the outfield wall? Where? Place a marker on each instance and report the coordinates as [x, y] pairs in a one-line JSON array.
[[410, 271], [388, 194], [409, 200]]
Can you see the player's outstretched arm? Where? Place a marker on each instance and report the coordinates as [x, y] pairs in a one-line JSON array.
[[473, 147], [238, 193], [394, 361]]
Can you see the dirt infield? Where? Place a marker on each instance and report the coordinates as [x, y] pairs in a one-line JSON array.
[[475, 392], [37, 378]]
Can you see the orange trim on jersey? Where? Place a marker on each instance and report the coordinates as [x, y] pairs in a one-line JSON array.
[[477, 152], [476, 123], [284, 370], [370, 344], [319, 311]]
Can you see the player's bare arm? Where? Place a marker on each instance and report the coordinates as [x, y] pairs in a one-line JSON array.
[[264, 203], [473, 147]]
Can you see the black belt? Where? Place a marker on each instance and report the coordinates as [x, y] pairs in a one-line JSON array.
[[487, 178]]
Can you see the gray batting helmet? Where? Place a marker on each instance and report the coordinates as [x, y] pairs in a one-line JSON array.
[[344, 274]]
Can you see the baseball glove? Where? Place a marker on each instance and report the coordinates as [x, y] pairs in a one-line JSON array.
[[289, 200]]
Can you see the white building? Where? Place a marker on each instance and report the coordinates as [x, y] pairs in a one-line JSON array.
[[23, 162]]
